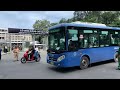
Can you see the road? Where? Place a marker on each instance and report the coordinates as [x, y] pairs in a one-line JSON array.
[[42, 70]]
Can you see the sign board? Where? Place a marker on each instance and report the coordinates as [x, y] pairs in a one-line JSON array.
[[26, 31], [32, 31], [13, 30]]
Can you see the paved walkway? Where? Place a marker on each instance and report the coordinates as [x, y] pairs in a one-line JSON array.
[[41, 51], [5, 53]]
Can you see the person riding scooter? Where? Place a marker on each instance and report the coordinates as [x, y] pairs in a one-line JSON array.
[[31, 53]]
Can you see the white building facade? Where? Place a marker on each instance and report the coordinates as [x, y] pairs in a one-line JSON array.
[[12, 39]]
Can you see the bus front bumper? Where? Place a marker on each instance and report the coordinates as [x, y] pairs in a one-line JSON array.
[[55, 63]]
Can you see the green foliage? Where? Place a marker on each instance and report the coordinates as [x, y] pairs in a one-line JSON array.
[[110, 18], [41, 25], [52, 24], [63, 20]]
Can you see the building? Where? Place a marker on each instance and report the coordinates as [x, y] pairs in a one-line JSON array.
[[19, 39], [3, 37], [13, 38]]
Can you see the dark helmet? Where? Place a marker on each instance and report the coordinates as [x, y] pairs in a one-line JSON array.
[[31, 47]]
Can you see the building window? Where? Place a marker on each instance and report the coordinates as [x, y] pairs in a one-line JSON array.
[[15, 37], [18, 37], [2, 37]]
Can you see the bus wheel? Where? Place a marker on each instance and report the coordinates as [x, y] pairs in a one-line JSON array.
[[116, 57], [84, 62]]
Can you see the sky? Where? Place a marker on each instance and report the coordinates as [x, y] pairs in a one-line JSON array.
[[26, 19]]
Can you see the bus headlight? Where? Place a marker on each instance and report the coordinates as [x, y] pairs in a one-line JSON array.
[[61, 58]]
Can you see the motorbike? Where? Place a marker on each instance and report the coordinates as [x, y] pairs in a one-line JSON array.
[[28, 56]]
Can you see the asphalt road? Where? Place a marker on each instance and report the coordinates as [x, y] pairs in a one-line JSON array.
[[42, 70]]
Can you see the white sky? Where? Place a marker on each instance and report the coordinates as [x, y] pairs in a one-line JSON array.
[[26, 19]]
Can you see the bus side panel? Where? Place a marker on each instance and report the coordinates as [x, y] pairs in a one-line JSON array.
[[104, 53], [73, 59], [92, 53], [95, 55], [100, 54]]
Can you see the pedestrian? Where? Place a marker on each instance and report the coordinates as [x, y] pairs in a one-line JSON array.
[[16, 53], [0, 52], [118, 58], [5, 49]]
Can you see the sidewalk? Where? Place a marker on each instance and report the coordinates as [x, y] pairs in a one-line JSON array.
[[5, 53]]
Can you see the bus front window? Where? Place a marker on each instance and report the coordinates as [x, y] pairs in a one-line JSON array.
[[57, 39]]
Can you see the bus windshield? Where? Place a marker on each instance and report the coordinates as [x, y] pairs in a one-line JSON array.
[[56, 39]]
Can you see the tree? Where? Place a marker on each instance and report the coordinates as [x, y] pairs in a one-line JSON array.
[[70, 20], [110, 18], [63, 20], [80, 15], [93, 16], [52, 24], [43, 26]]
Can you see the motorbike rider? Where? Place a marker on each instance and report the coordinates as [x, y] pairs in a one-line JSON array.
[[32, 52]]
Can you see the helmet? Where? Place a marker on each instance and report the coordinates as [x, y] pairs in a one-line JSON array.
[[31, 47]]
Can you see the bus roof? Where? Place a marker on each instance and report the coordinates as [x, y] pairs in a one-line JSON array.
[[84, 25]]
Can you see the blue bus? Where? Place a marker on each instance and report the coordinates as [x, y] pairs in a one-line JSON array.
[[81, 44]]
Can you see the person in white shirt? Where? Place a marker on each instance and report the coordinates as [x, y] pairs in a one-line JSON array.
[[36, 48]]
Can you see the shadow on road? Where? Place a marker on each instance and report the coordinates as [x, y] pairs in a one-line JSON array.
[[64, 70], [101, 63], [72, 69]]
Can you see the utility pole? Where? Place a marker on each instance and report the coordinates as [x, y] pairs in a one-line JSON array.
[[10, 42]]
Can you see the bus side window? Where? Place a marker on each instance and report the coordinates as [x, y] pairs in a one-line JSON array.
[[93, 40], [85, 41], [72, 39], [104, 39], [115, 39]]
